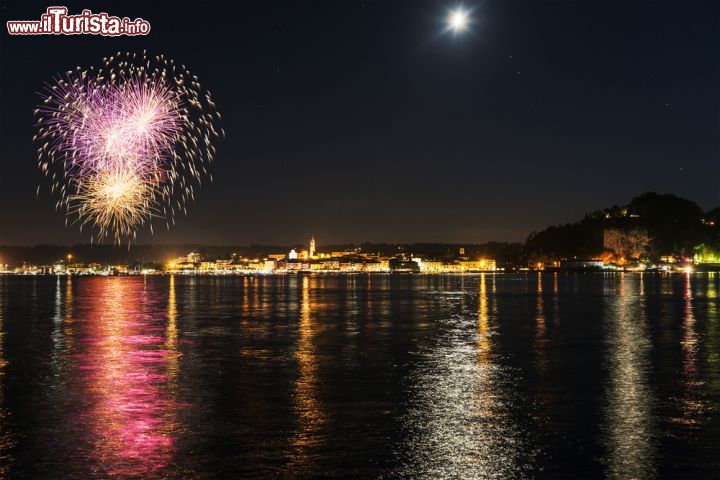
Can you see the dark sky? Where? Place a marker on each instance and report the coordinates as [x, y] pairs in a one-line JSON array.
[[362, 121]]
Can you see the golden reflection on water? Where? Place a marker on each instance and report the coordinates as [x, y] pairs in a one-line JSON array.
[[245, 307], [692, 405], [171, 334], [171, 340], [6, 437], [540, 308], [629, 424], [57, 318], [556, 300], [484, 394], [483, 323], [540, 327], [369, 296], [127, 365], [309, 413], [68, 321]]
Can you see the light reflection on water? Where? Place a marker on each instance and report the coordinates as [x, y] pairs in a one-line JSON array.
[[488, 376], [692, 404], [309, 414], [629, 423], [127, 363], [6, 437], [712, 350], [540, 329], [461, 420]]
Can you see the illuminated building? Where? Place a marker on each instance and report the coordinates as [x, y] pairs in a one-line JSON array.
[[296, 266], [352, 266], [376, 266], [325, 265], [208, 266], [292, 255], [270, 265], [440, 266], [341, 254], [312, 247], [481, 265]]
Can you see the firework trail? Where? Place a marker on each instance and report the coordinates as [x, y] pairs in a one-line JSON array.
[[126, 143]]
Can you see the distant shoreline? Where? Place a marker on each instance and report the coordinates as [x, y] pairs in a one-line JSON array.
[[339, 273]]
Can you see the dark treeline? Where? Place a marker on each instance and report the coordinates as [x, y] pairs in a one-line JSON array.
[[673, 225]]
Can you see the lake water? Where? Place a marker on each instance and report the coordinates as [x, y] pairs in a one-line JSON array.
[[381, 376]]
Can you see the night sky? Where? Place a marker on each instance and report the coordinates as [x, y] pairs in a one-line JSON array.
[[365, 121]]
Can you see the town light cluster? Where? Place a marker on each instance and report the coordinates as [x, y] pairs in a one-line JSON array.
[[357, 260], [293, 261]]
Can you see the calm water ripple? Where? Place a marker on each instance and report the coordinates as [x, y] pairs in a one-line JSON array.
[[380, 376]]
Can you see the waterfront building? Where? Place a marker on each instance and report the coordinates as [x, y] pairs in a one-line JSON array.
[[461, 266], [481, 265], [581, 264], [270, 265], [194, 257], [208, 266], [403, 265], [376, 266]]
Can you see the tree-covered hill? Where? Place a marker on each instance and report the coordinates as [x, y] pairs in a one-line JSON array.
[[672, 224]]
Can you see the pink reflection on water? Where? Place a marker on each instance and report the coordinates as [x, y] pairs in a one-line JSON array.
[[126, 364]]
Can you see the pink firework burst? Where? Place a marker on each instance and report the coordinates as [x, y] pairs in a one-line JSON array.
[[143, 123]]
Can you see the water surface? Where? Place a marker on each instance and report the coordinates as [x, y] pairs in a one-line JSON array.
[[361, 376]]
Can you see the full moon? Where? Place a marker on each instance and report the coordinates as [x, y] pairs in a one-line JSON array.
[[458, 20]]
